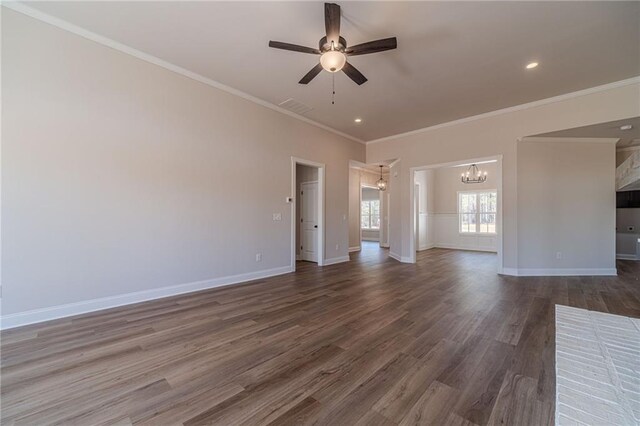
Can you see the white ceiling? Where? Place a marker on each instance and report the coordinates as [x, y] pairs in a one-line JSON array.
[[454, 59], [610, 129]]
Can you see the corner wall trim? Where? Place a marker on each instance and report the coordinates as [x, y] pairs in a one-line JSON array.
[[121, 47], [403, 259], [621, 256], [335, 260], [560, 272], [510, 271], [86, 306]]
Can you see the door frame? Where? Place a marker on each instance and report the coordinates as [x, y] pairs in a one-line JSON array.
[[500, 237], [416, 214], [321, 197]]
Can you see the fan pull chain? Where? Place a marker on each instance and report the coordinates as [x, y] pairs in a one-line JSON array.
[[333, 87]]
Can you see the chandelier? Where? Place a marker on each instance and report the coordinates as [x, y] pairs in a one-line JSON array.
[[474, 175], [382, 184]]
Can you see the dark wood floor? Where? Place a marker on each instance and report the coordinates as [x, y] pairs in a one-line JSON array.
[[370, 342]]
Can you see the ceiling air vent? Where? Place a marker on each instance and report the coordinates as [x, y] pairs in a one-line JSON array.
[[295, 106]]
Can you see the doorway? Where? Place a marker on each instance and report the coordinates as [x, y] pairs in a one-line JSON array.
[[307, 225], [368, 206], [448, 212], [370, 216]]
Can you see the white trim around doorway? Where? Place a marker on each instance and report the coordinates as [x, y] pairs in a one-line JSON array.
[[321, 199]]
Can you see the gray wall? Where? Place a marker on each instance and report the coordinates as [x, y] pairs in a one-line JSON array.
[[566, 204], [119, 176]]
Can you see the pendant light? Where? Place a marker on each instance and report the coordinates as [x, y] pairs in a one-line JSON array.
[[382, 184], [474, 175]]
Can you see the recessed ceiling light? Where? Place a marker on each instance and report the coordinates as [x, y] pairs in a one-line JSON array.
[[358, 120], [626, 127], [532, 65]]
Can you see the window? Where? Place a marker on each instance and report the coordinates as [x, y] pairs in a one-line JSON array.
[[370, 214], [477, 212]]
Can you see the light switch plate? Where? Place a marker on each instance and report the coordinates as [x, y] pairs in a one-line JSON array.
[[277, 216]]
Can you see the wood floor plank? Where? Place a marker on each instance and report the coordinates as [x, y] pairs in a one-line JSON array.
[[446, 341]]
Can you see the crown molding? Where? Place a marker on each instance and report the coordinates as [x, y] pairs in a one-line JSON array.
[[628, 148], [534, 104], [105, 41], [560, 139]]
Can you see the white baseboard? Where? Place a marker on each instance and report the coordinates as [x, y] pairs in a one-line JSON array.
[[370, 239], [336, 260], [560, 272], [403, 259], [457, 247], [86, 306], [384, 245], [352, 249], [510, 271], [621, 256], [426, 247]]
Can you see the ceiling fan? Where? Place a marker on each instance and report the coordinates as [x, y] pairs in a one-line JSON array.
[[333, 49]]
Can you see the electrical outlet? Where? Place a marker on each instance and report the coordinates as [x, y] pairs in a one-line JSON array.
[[337, 247], [258, 257], [277, 216], [559, 255]]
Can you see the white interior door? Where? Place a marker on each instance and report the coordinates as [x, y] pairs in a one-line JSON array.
[[309, 221]]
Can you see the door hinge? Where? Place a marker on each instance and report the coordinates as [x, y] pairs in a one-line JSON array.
[[300, 247], [301, 192], [301, 220]]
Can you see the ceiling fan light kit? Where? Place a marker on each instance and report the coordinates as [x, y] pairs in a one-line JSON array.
[[333, 60], [333, 49]]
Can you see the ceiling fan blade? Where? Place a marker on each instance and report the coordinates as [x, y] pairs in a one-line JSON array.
[[372, 47], [311, 74], [293, 47], [332, 22], [354, 74]]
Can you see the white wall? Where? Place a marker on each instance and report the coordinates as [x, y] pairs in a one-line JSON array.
[[438, 218], [448, 184], [426, 179], [120, 176], [566, 205], [490, 135]]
